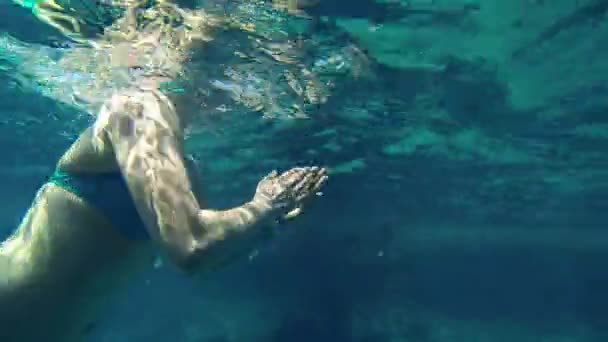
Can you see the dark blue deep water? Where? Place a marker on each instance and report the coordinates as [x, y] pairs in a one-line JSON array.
[[468, 198]]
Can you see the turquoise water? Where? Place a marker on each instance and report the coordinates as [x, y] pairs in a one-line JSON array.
[[468, 197]]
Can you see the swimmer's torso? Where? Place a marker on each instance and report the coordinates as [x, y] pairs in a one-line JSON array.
[[66, 254], [62, 244]]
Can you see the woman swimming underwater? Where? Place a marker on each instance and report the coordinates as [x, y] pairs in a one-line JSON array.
[[124, 182]]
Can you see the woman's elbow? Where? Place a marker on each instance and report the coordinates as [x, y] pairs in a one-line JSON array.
[[202, 258], [188, 257]]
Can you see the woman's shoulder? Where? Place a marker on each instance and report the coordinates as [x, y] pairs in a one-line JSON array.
[[86, 156]]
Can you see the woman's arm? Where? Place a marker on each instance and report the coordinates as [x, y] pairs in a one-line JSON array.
[[144, 132]]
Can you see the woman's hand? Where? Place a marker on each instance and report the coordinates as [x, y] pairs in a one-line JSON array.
[[287, 192]]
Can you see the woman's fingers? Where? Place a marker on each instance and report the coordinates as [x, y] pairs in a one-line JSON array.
[[300, 182], [311, 184]]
